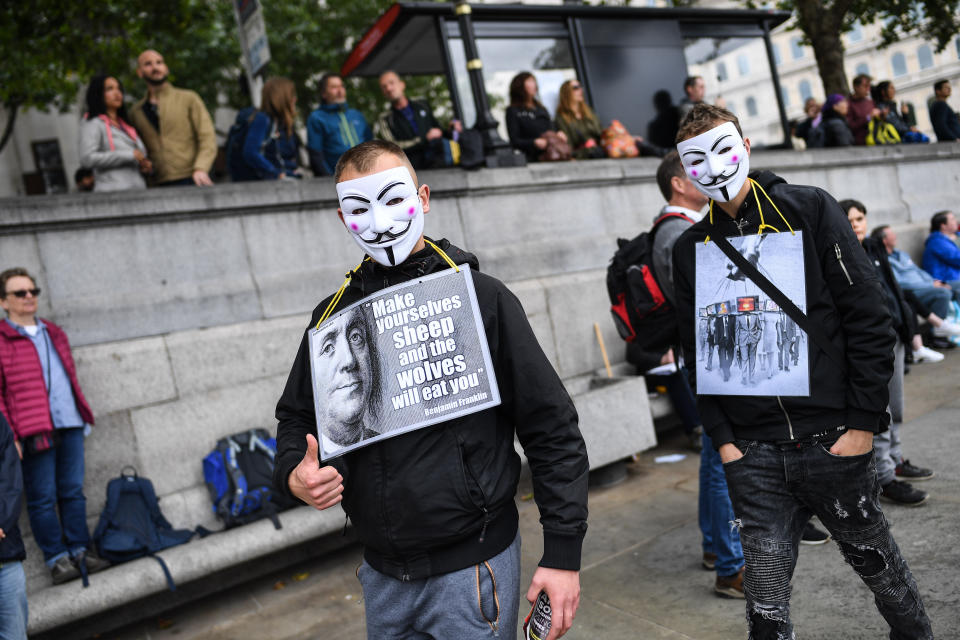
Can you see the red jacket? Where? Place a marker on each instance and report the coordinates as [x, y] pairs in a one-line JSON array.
[[23, 393], [858, 117]]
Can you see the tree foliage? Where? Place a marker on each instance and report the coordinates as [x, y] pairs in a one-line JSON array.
[[822, 22], [51, 48]]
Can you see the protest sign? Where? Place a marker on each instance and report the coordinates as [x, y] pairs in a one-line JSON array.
[[404, 358]]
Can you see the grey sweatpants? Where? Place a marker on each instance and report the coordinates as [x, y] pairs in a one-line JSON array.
[[887, 444], [481, 601]]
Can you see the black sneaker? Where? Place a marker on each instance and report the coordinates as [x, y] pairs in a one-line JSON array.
[[812, 535], [94, 562], [64, 570], [900, 492], [907, 471]]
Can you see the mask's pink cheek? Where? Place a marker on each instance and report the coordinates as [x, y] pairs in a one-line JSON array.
[[694, 173], [411, 211], [353, 225], [735, 158]]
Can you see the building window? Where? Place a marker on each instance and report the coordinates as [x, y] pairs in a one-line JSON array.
[[805, 91], [796, 49], [856, 33], [721, 72], [863, 69], [777, 59], [925, 56], [743, 64], [785, 97], [751, 106], [899, 63]]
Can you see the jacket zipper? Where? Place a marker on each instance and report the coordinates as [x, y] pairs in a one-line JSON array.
[[787, 416], [483, 497], [405, 576], [836, 248]]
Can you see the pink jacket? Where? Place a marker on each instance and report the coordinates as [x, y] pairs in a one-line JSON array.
[[23, 393]]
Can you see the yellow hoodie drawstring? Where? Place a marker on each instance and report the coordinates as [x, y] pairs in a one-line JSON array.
[[346, 283]]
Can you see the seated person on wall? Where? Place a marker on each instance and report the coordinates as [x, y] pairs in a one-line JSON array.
[[527, 119], [429, 550], [832, 130], [811, 108], [884, 96], [893, 470], [42, 400], [577, 121], [271, 148], [941, 255], [662, 130], [934, 293], [109, 145], [945, 122], [411, 126], [862, 109], [333, 127]]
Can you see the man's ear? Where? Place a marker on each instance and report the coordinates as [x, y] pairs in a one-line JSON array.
[[746, 145], [340, 214], [677, 186], [424, 193]]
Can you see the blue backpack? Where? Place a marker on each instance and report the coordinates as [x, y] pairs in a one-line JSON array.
[[131, 525], [239, 476]]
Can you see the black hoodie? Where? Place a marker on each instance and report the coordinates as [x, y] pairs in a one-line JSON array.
[[11, 492], [441, 498], [844, 299]]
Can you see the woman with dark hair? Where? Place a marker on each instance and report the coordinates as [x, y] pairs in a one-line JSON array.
[[836, 133], [108, 143], [271, 149], [904, 121], [527, 119], [577, 121]]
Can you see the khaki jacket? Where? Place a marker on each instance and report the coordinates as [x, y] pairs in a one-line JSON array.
[[186, 142]]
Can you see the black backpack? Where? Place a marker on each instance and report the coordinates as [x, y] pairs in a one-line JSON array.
[[641, 312], [817, 136], [239, 477], [131, 525], [237, 167]]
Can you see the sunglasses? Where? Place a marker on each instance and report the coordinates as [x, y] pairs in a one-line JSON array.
[[575, 87], [22, 293]]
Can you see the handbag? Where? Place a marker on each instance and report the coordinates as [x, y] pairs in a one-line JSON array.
[[618, 142], [557, 149]]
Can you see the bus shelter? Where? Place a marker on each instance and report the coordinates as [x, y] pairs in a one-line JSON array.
[[621, 55]]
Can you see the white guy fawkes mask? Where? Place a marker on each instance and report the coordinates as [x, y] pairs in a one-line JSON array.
[[383, 213], [716, 161]]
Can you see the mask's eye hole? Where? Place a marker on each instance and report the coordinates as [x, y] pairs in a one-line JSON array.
[[358, 212], [696, 162], [725, 150], [394, 201]]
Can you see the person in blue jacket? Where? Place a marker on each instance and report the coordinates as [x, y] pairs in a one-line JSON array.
[[271, 147], [13, 584], [941, 255], [334, 127]]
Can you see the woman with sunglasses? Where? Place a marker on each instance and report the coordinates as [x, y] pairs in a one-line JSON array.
[[42, 401], [108, 143], [577, 121]]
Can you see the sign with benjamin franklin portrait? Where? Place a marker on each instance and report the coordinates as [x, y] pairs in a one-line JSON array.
[[404, 358]]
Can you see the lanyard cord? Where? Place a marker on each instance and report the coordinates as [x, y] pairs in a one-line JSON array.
[[349, 277], [754, 185]]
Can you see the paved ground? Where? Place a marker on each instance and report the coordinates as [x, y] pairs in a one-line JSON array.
[[641, 576]]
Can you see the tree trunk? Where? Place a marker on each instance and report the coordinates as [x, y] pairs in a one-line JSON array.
[[11, 109], [821, 23]]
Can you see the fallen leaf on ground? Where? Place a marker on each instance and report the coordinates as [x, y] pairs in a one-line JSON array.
[[279, 584], [303, 575], [527, 497], [164, 623]]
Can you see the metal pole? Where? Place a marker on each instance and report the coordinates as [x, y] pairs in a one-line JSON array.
[[776, 86], [497, 150]]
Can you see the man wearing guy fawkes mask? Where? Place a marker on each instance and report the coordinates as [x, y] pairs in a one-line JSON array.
[[788, 458], [435, 507]]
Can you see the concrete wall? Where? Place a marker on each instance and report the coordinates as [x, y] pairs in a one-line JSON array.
[[186, 306]]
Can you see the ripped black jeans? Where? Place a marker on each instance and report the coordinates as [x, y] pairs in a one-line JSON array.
[[774, 490]]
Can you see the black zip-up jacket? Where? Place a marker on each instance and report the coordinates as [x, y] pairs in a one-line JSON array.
[[843, 298], [11, 492], [441, 498], [903, 318]]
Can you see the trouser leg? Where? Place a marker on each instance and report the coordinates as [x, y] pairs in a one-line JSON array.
[[73, 504], [40, 486], [844, 494], [13, 601], [723, 533]]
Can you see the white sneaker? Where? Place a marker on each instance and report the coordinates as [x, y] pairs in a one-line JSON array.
[[947, 329], [926, 354]]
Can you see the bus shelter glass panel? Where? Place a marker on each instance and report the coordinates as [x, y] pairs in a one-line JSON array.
[[550, 60], [761, 123]]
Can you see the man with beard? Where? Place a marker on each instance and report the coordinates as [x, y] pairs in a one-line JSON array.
[[348, 380], [788, 457], [175, 126], [434, 507]]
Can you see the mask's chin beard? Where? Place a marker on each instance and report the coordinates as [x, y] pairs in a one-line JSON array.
[[389, 252]]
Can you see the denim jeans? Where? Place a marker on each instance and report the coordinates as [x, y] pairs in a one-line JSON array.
[[53, 481], [775, 489], [13, 601], [481, 601], [887, 444], [720, 536], [937, 298]]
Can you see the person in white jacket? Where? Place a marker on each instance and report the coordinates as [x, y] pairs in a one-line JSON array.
[[108, 143]]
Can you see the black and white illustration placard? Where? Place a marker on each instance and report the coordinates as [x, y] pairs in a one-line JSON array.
[[404, 358], [747, 345]]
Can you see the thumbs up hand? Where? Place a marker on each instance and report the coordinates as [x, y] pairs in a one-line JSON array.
[[320, 487]]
